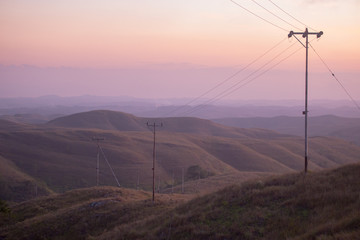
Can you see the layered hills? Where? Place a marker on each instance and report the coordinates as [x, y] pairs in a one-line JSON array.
[[110, 120], [60, 155], [321, 205], [326, 125]]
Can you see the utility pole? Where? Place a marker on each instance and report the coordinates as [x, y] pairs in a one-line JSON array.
[[172, 182], [154, 126], [306, 36], [97, 158], [182, 181], [138, 180]]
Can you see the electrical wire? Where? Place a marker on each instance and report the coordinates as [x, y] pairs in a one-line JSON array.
[[236, 87], [111, 169], [290, 15], [226, 79], [237, 83], [333, 74], [254, 1], [256, 15]]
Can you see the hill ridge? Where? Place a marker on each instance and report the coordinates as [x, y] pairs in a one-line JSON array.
[[113, 120]]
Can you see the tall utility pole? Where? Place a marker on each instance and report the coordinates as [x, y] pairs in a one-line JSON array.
[[154, 126], [306, 36], [98, 158]]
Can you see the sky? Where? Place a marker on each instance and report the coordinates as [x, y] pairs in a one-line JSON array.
[[176, 49]]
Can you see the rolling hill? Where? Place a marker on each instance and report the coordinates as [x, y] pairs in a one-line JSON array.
[[321, 205], [16, 185], [111, 120], [6, 125], [61, 155], [327, 125]]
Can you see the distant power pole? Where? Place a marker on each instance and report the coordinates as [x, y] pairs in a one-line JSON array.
[[306, 36], [97, 158], [182, 181], [154, 126], [138, 180]]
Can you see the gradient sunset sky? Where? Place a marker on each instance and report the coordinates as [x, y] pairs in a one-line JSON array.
[[166, 48]]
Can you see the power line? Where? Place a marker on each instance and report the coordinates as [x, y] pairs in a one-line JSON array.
[[290, 15], [228, 78], [111, 169], [332, 73], [233, 89], [256, 15], [98, 157], [241, 70], [274, 14]]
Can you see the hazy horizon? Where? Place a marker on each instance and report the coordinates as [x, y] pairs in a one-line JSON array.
[[168, 49]]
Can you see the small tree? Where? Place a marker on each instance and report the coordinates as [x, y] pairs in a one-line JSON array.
[[196, 172], [4, 208]]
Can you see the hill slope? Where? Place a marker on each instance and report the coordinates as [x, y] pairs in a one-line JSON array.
[[322, 205], [65, 158], [100, 119], [111, 120], [15, 185], [327, 125]]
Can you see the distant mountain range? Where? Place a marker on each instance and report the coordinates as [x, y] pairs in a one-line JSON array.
[[60, 155]]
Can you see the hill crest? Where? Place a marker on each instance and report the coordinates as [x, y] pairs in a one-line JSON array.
[[112, 120]]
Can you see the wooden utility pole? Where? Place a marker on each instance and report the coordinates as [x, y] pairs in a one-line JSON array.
[[306, 45], [154, 126], [97, 158]]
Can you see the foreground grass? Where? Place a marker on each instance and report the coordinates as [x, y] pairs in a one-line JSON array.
[[322, 205], [80, 214]]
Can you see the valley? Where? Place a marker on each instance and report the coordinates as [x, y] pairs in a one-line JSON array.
[[60, 155]]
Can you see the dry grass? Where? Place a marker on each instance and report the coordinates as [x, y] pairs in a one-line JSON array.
[[80, 214], [322, 205]]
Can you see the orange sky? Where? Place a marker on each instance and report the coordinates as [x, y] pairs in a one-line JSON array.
[[127, 34]]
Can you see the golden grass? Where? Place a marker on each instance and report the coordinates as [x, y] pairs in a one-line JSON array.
[[322, 205]]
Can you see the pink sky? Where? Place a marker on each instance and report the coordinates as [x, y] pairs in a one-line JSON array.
[[186, 46]]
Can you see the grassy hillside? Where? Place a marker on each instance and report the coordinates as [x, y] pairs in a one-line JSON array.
[[111, 120], [12, 125], [321, 205], [101, 119], [64, 158], [16, 185], [29, 118], [346, 128]]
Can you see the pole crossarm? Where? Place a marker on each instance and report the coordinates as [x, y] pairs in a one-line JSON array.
[[306, 45]]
